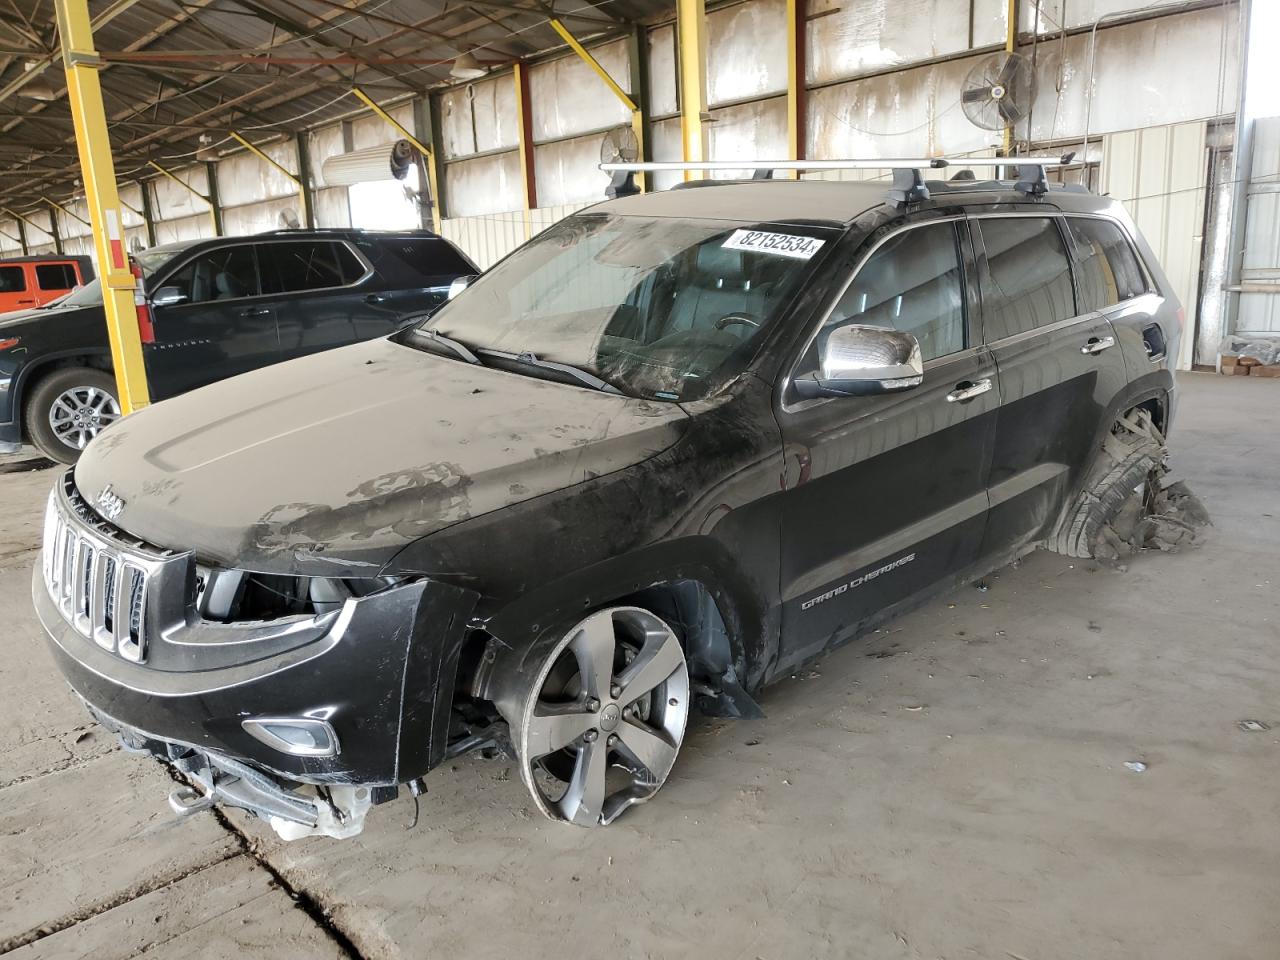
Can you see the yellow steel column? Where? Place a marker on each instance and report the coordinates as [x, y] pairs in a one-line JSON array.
[[691, 35], [796, 107], [1010, 42], [84, 96], [528, 176], [302, 193], [637, 115], [433, 173]]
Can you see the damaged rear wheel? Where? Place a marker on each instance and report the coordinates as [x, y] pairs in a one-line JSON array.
[[600, 716]]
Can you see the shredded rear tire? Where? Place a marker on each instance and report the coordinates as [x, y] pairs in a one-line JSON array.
[[1121, 489]]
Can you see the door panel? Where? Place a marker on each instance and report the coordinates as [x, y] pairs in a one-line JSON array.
[[886, 494], [223, 326], [322, 305], [1058, 372]]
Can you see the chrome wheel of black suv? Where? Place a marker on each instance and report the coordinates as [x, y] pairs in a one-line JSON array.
[[69, 408], [599, 726]]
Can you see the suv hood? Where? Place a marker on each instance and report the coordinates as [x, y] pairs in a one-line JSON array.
[[331, 464]]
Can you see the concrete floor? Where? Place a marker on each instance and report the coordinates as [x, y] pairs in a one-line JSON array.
[[954, 787]]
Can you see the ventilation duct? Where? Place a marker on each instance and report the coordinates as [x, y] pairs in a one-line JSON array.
[[390, 161]]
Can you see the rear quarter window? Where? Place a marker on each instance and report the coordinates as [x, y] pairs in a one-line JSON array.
[[1107, 272], [415, 261]]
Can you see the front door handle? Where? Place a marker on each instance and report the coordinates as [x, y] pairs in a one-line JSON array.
[[967, 390], [1098, 344], [375, 298], [256, 312]]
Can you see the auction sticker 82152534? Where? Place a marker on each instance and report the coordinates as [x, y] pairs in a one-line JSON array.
[[781, 244]]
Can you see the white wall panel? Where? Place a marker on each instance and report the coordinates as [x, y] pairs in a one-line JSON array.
[[568, 98], [246, 178], [479, 117], [1055, 14], [484, 185], [1160, 174], [663, 99], [488, 239], [568, 171], [257, 217], [174, 201], [906, 114], [372, 131], [10, 239], [131, 194], [665, 143], [332, 208], [746, 51], [1145, 74], [873, 35], [748, 130], [1260, 312], [186, 228]]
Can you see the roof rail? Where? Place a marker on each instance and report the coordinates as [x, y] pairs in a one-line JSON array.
[[908, 186]]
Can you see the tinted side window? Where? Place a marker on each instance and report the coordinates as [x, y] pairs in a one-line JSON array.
[[55, 276], [414, 261], [912, 283], [314, 265], [12, 280], [1028, 279], [1106, 269], [226, 274]]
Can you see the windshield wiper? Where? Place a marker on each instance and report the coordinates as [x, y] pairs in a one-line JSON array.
[[585, 377], [457, 346]]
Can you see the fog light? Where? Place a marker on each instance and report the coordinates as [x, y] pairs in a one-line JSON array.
[[298, 736]]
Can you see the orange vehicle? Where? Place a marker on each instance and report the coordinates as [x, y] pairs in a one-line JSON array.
[[27, 282]]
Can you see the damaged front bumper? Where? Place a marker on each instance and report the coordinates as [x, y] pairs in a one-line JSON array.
[[380, 677]]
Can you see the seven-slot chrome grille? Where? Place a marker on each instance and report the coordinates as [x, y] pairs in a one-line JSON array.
[[100, 580]]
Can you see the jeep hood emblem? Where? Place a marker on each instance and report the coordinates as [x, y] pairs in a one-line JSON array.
[[109, 504]]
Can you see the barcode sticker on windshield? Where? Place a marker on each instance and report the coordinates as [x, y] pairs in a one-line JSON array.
[[779, 244]]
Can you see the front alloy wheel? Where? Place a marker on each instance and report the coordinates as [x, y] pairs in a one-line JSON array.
[[80, 413], [605, 716]]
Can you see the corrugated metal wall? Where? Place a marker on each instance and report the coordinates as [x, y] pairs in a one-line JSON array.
[[1260, 312], [1160, 175]]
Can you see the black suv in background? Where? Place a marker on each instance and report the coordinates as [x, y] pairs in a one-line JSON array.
[[670, 449], [213, 309]]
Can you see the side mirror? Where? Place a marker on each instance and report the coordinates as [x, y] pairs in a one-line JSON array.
[[459, 284], [856, 361], [168, 296]]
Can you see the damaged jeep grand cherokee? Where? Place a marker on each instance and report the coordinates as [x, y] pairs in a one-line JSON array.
[[662, 454]]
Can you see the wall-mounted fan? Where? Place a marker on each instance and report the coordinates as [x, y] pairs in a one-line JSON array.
[[619, 146], [998, 91]]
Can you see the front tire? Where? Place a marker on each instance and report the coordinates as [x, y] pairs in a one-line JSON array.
[[598, 714], [68, 408]]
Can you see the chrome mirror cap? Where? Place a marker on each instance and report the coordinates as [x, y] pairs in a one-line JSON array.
[[862, 359]]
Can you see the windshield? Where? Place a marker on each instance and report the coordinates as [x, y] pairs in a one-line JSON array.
[[661, 308], [90, 295]]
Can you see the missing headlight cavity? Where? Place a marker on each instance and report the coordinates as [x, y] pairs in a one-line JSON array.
[[234, 595]]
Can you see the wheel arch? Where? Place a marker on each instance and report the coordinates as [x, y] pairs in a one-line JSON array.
[[32, 373], [692, 583]]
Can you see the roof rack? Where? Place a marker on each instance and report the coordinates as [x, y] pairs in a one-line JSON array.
[[908, 186]]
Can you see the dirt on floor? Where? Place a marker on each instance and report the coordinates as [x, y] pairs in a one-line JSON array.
[[1080, 760]]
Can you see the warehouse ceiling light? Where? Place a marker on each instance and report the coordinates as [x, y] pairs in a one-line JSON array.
[[466, 67], [37, 88], [207, 153]]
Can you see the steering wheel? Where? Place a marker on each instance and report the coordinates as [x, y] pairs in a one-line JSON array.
[[732, 318]]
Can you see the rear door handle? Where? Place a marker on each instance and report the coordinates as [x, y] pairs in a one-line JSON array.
[[967, 390], [375, 298], [1098, 344], [256, 312]]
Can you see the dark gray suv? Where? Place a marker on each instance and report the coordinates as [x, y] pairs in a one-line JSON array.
[[659, 456], [212, 309]]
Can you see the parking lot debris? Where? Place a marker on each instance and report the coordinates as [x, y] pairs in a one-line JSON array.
[[1253, 726], [1137, 766]]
